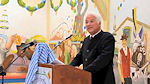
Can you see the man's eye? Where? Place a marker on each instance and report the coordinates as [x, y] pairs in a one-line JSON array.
[[91, 21]]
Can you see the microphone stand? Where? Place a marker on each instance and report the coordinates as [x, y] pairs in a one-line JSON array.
[[57, 46], [2, 72], [61, 42]]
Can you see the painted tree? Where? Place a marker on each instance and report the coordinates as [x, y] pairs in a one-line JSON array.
[[3, 2], [79, 18], [78, 23]]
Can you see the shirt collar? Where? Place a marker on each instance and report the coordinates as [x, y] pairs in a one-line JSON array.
[[124, 48], [95, 34]]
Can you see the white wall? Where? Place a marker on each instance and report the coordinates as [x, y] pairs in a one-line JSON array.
[[142, 11], [22, 23]]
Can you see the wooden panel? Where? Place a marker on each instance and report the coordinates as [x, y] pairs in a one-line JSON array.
[[65, 74]]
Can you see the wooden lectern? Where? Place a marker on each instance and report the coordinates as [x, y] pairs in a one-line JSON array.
[[66, 74]]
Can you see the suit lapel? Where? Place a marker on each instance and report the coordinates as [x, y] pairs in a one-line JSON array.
[[91, 45]]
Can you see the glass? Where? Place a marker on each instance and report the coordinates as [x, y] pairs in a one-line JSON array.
[[18, 40]]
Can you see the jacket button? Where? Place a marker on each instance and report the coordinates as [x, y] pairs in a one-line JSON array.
[[87, 50], [85, 59]]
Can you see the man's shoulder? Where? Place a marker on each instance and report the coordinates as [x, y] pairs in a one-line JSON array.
[[87, 37], [10, 56], [107, 35]]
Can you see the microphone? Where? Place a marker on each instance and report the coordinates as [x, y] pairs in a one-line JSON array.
[[59, 43], [69, 36], [64, 40], [27, 45]]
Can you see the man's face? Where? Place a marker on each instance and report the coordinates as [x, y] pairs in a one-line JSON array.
[[92, 25], [20, 52], [29, 53], [124, 42]]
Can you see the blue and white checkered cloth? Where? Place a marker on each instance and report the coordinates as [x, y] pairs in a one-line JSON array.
[[41, 54]]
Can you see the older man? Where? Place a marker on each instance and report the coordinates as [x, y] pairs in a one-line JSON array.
[[97, 52]]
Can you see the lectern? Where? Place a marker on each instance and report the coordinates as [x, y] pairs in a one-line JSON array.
[[62, 74]]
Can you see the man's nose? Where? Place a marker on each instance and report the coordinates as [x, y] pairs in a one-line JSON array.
[[88, 23]]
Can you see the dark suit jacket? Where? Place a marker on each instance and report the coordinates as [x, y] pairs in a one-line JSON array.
[[96, 55]]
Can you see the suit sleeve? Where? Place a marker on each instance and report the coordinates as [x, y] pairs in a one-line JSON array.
[[77, 61], [105, 57]]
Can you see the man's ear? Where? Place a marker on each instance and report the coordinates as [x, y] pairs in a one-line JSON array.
[[99, 23]]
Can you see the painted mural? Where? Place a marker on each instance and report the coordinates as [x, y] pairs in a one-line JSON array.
[[42, 20], [45, 21], [130, 28]]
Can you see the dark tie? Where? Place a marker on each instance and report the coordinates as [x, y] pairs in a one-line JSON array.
[[91, 38]]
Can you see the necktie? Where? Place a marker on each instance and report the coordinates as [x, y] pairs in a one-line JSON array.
[[91, 38]]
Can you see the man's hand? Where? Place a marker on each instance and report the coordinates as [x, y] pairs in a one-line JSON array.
[[21, 68], [13, 37]]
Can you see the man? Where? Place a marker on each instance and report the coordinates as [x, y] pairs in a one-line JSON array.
[[124, 61], [19, 60], [97, 52]]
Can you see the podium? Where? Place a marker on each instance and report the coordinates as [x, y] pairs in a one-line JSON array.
[[62, 74]]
